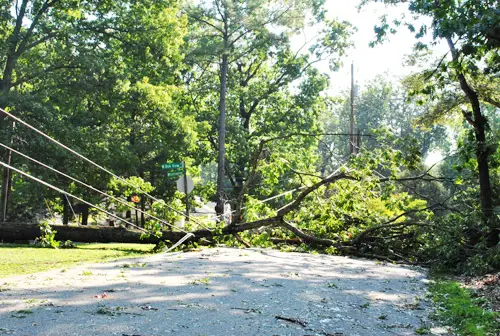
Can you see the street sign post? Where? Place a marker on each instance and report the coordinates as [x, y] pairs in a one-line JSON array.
[[175, 173], [172, 165], [184, 184]]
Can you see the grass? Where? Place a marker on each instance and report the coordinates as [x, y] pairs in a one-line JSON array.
[[458, 309], [25, 259]]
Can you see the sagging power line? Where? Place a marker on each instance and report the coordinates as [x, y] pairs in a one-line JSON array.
[[183, 239], [96, 165], [102, 193]]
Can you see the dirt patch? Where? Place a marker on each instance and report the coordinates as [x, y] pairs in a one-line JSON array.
[[486, 287]]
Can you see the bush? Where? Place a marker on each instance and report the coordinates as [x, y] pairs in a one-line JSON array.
[[47, 238], [460, 246], [457, 308]]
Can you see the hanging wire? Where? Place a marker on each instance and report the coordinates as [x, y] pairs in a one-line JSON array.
[[182, 240], [73, 196], [70, 206], [88, 186], [98, 166]]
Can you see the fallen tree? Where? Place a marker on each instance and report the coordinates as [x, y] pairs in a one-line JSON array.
[[11, 232], [23, 232]]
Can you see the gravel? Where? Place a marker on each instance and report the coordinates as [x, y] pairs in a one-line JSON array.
[[219, 291]]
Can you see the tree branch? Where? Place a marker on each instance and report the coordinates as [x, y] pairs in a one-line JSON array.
[[330, 179], [44, 72], [46, 5], [309, 238], [387, 225], [492, 101], [205, 22]]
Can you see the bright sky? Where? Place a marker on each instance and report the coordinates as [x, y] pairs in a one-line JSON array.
[[386, 58], [369, 62]]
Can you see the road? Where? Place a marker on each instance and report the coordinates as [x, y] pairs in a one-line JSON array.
[[219, 292]]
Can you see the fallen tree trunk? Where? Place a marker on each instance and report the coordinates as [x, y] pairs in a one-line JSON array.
[[22, 232]]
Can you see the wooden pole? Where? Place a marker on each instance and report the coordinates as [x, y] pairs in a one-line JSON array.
[[351, 136], [186, 190]]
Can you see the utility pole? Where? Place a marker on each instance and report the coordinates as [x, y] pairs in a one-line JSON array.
[[186, 190], [351, 133]]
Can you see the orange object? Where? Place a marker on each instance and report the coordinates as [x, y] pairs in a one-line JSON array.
[[101, 296], [135, 199]]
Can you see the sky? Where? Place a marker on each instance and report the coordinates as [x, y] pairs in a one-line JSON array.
[[386, 58]]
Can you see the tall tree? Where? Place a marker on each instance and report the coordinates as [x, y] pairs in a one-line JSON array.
[[470, 29], [247, 43], [68, 67]]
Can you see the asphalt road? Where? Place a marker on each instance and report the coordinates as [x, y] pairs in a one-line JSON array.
[[218, 292]]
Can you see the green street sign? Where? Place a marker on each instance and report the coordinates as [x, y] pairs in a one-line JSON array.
[[172, 165], [175, 173]]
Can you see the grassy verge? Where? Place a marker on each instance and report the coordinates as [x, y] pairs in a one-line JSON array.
[[457, 308], [24, 259]]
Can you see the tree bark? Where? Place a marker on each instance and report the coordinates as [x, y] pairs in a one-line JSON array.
[[7, 180], [482, 153], [5, 86], [11, 232], [219, 208], [66, 209]]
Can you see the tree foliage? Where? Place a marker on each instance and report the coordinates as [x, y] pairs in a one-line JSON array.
[[133, 85]]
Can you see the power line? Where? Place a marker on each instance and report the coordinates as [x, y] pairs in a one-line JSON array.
[[71, 195], [183, 239], [89, 186], [95, 164], [284, 193]]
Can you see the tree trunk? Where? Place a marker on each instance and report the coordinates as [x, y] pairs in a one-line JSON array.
[[7, 181], [85, 216], [219, 208], [479, 123], [128, 212], [11, 232], [143, 208], [66, 209], [5, 86]]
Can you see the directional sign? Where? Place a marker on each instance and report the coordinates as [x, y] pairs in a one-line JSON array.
[[172, 165], [175, 170], [175, 173], [190, 184]]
